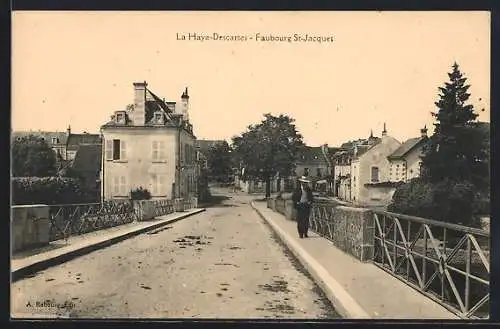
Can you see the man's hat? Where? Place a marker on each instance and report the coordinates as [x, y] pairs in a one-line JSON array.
[[304, 179]]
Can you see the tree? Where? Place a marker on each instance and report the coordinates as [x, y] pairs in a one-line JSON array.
[[268, 148], [456, 151], [219, 160], [32, 156]]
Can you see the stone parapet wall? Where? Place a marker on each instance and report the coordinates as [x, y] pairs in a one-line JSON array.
[[30, 226]]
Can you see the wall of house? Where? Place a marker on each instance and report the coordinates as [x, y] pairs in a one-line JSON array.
[[344, 186], [188, 172], [413, 161], [379, 196], [70, 154], [313, 169], [138, 167], [355, 180], [397, 170], [374, 157]]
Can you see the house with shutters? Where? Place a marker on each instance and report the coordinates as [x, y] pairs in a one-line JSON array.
[[406, 162], [149, 144]]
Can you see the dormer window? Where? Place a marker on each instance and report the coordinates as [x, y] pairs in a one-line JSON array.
[[120, 117], [55, 140], [158, 117]]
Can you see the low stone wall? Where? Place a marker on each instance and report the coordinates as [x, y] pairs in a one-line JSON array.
[[150, 209], [30, 226], [353, 231], [350, 229]]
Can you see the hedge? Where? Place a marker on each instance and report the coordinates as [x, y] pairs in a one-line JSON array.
[[50, 190], [448, 201]]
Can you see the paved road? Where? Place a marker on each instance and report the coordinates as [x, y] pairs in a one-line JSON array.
[[223, 263]]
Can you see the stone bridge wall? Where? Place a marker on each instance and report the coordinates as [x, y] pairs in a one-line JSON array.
[[30, 226]]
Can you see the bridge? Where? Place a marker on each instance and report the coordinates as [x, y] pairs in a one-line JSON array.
[[241, 258]]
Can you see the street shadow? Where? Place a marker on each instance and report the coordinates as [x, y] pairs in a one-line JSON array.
[[31, 252], [215, 201]]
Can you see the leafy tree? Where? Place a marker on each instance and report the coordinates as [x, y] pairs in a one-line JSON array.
[[268, 148], [32, 156], [456, 150], [219, 160]]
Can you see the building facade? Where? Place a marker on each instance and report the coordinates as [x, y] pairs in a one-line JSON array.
[[371, 168], [151, 145], [406, 162]]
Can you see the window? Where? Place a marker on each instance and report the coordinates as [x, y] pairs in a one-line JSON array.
[[306, 171], [375, 177], [116, 149], [158, 185], [159, 152], [55, 140], [120, 186], [158, 116]]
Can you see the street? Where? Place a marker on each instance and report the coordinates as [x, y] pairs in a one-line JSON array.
[[222, 263]]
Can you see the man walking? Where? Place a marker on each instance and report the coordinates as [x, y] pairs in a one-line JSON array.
[[302, 201]]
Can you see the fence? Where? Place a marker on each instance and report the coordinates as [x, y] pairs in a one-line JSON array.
[[446, 262], [75, 219]]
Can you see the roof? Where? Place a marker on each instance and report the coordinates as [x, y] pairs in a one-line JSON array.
[[153, 104], [88, 159], [310, 154], [405, 148], [47, 135], [75, 140], [205, 145]]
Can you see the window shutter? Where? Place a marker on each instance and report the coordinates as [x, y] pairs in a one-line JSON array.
[[123, 186], [152, 184], [154, 150], [109, 149], [116, 185], [123, 150], [162, 153]]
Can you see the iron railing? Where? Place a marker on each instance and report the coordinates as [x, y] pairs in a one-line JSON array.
[[74, 219], [448, 263], [321, 219]]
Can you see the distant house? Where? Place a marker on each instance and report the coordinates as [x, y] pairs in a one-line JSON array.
[[342, 160], [76, 140], [311, 162], [405, 162], [56, 140], [87, 164], [370, 168]]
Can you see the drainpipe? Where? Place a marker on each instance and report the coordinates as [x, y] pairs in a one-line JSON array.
[[178, 171], [103, 159]]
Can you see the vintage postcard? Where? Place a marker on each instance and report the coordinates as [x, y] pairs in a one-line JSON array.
[[250, 165]]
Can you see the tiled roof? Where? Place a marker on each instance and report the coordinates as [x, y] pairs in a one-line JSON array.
[[204, 145], [310, 154], [406, 147], [74, 140], [47, 135], [88, 159]]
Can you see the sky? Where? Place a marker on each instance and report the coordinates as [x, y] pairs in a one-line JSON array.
[[76, 68]]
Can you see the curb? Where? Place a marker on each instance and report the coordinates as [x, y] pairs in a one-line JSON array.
[[338, 296], [46, 263]]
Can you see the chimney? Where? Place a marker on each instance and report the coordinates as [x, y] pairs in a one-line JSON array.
[[384, 132], [139, 111], [423, 132], [68, 131], [185, 105]]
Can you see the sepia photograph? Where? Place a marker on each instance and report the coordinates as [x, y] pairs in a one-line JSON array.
[[292, 165]]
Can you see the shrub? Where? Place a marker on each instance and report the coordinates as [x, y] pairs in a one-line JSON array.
[[140, 194], [447, 201], [50, 190]]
